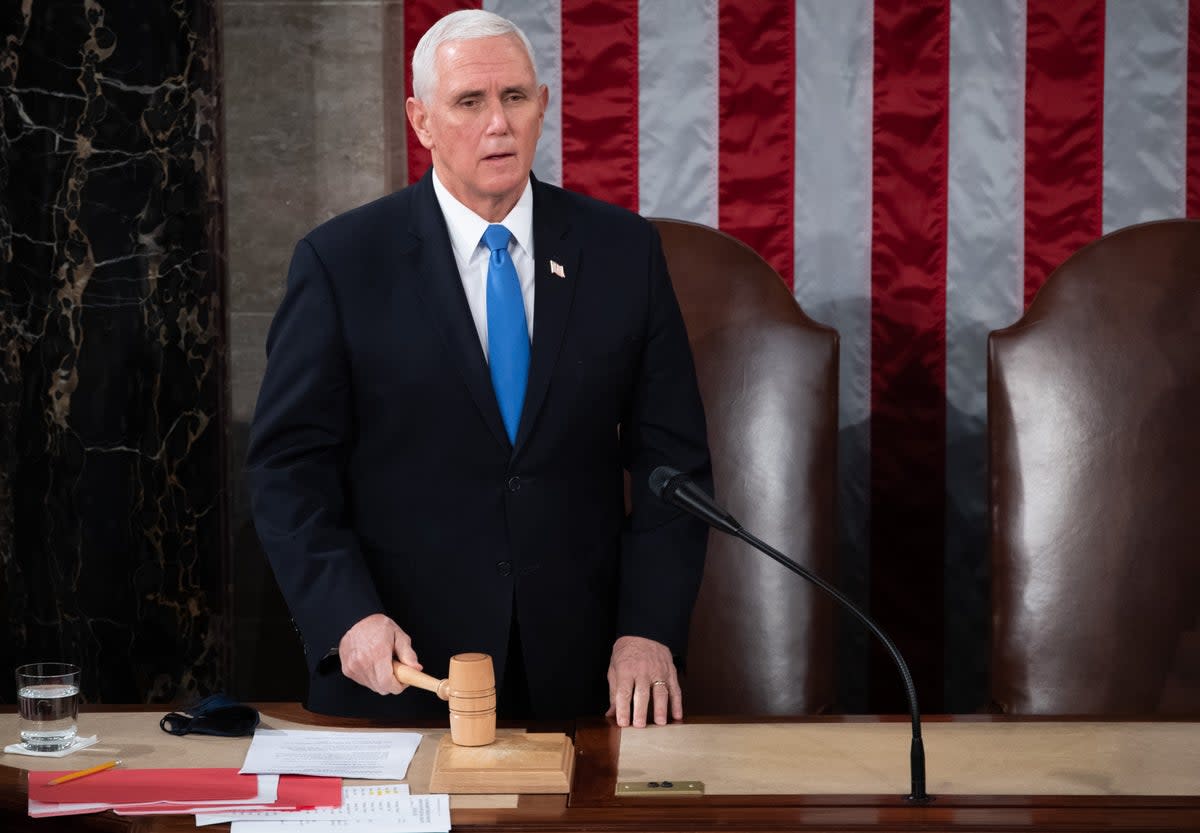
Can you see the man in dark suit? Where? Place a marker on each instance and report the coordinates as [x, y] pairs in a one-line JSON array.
[[457, 376]]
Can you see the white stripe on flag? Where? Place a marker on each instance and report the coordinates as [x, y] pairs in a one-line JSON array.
[[677, 109], [985, 279], [835, 68], [1145, 111], [541, 21]]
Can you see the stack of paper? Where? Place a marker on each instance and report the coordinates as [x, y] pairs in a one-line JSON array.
[[376, 755], [146, 791], [377, 809]]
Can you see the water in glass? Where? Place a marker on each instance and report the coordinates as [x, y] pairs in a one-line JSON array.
[[48, 705]]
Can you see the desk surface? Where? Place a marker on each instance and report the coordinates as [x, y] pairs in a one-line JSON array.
[[1082, 768]]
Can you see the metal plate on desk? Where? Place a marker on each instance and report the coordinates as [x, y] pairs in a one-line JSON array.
[[666, 788]]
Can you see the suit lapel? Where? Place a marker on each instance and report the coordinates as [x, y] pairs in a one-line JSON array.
[[553, 293], [440, 288]]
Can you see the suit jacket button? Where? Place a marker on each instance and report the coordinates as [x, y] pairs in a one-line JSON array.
[[514, 484], [504, 568]]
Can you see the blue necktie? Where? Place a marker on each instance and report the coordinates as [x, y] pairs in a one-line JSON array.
[[508, 334]]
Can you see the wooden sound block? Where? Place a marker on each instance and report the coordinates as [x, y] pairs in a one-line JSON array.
[[519, 763]]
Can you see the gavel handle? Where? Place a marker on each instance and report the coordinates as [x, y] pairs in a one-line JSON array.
[[411, 676]]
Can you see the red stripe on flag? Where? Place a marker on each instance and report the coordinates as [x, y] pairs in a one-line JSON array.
[[908, 338], [600, 99], [1064, 133], [756, 155], [1193, 110], [419, 15]]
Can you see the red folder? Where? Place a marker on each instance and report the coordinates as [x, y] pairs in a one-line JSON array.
[[310, 791], [296, 792], [137, 786]]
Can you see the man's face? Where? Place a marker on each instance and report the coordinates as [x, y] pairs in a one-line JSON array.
[[482, 122]]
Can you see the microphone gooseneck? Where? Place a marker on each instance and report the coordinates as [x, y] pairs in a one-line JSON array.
[[679, 490]]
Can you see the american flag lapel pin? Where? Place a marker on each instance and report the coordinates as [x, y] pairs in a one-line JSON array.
[[556, 269]]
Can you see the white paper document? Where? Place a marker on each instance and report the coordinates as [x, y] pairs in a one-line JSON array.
[[380, 755], [391, 814], [357, 803]]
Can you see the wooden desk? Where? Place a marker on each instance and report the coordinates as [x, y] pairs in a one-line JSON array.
[[601, 748]]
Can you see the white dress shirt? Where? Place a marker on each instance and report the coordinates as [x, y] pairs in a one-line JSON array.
[[471, 254]]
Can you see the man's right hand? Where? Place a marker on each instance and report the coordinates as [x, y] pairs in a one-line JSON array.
[[367, 651]]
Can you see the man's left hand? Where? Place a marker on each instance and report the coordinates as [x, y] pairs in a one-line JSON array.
[[642, 672]]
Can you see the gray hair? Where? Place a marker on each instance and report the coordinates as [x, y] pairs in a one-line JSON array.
[[466, 24]]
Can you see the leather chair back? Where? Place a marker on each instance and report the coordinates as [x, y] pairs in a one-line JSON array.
[[1094, 435], [761, 638]]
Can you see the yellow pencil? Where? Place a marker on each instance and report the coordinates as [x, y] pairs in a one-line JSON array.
[[71, 776]]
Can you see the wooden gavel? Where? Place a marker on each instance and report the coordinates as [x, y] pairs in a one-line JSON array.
[[471, 690]]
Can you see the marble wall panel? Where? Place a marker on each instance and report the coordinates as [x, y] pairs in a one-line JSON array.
[[311, 130], [304, 130], [113, 515]]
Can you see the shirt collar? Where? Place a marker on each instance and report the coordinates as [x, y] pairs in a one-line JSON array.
[[466, 227]]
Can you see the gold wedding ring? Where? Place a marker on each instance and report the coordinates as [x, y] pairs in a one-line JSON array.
[[658, 682]]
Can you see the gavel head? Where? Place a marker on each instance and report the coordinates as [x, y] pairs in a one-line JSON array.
[[472, 684]]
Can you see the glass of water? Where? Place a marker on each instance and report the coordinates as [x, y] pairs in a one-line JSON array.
[[48, 704]]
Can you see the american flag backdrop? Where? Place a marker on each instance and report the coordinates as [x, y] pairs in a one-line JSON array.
[[913, 169]]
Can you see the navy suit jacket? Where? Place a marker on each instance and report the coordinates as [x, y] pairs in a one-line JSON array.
[[382, 479]]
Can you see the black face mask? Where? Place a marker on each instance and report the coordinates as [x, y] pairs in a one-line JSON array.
[[216, 714]]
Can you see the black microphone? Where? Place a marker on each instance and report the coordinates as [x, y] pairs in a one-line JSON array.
[[679, 490]]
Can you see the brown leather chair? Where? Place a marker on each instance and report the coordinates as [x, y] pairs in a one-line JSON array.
[[761, 638], [1094, 434]]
